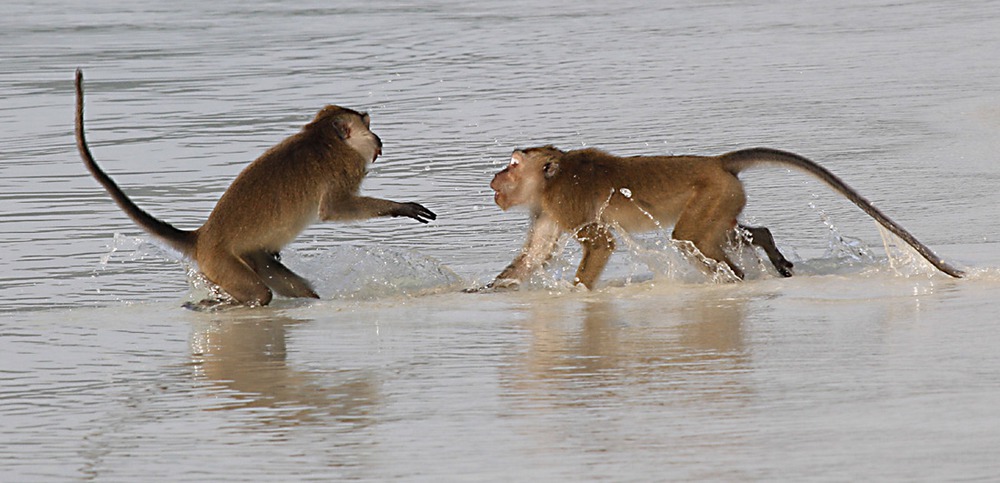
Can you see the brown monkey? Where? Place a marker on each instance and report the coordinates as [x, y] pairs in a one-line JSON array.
[[313, 175], [587, 191]]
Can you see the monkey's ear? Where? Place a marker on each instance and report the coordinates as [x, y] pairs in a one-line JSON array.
[[550, 169], [343, 129]]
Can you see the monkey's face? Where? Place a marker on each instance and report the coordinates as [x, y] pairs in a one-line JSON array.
[[361, 138], [520, 183], [354, 128]]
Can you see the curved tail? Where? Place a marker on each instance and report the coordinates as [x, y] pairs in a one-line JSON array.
[[180, 240], [736, 161]]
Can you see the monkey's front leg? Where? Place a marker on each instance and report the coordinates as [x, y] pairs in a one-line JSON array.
[[598, 244], [350, 208], [542, 238]]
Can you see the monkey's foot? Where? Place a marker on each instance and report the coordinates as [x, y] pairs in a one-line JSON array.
[[212, 305], [785, 269]]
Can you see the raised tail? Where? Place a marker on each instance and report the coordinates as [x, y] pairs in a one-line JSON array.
[[737, 161], [180, 240]]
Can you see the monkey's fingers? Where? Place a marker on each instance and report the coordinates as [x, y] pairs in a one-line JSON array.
[[416, 211], [498, 285]]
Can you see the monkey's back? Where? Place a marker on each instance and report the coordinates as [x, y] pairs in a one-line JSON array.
[[277, 195], [640, 193]]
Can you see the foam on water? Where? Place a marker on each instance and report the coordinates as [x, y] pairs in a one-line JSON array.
[[359, 272], [341, 272], [374, 272]]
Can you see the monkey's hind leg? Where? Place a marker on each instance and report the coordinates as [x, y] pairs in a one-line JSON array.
[[278, 277], [236, 277], [598, 244], [708, 219], [761, 236]]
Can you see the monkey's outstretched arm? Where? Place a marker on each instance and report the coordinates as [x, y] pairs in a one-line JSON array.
[[349, 208], [537, 250]]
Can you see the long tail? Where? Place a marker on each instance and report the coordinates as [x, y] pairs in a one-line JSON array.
[[736, 161], [180, 240]]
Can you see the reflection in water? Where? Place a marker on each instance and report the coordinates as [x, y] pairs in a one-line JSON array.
[[631, 376], [694, 348], [246, 358]]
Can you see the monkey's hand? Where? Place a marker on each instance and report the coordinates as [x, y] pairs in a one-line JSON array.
[[505, 284], [498, 285], [415, 211]]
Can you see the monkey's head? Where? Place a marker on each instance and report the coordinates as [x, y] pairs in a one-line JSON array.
[[520, 183], [352, 127]]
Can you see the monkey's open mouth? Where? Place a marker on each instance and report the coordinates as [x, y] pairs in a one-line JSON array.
[[500, 201], [378, 152]]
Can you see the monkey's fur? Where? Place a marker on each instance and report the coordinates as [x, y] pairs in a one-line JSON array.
[[313, 175], [587, 191]]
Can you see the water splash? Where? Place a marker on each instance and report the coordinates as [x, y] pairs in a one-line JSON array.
[[365, 273], [843, 248], [340, 272], [902, 259], [671, 258], [559, 271], [627, 193], [604, 206], [124, 248], [203, 289], [667, 258]]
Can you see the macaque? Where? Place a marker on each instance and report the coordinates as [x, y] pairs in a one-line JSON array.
[[313, 175], [587, 192]]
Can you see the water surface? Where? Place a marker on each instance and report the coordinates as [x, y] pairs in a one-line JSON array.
[[867, 365]]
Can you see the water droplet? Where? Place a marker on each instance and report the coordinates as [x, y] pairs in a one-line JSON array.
[[625, 192]]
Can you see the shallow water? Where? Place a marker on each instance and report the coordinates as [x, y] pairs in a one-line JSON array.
[[866, 365]]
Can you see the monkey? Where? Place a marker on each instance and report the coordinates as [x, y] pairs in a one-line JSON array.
[[588, 191], [315, 174]]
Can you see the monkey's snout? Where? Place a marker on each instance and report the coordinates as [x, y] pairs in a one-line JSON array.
[[378, 147]]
